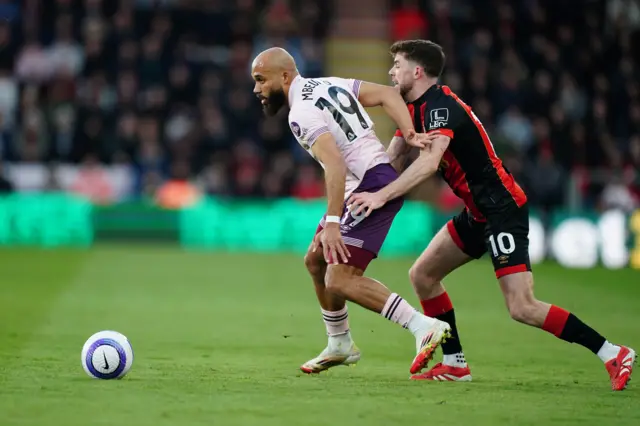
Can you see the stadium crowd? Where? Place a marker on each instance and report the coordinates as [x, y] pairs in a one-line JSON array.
[[163, 87], [555, 84]]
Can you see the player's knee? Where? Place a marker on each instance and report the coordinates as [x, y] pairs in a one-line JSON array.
[[523, 310], [336, 279], [313, 264], [423, 277]]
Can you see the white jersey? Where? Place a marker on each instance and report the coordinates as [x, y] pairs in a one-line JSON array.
[[330, 105]]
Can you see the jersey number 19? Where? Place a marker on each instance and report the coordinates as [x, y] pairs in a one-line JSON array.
[[351, 109]]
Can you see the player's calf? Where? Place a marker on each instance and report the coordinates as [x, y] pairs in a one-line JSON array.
[[441, 256], [317, 268], [347, 281], [340, 349], [524, 307]]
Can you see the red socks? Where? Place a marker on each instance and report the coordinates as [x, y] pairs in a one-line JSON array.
[[437, 306], [569, 328], [440, 307], [555, 321]]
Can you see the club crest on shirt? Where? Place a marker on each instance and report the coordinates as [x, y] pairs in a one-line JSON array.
[[295, 128]]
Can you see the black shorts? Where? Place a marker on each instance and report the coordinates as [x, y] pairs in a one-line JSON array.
[[505, 238]]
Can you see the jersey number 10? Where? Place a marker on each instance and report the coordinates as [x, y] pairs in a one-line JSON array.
[[351, 109]]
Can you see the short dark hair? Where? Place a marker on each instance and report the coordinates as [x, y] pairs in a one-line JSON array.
[[427, 54]]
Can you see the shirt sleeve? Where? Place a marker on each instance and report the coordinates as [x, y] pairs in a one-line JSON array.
[[307, 124], [354, 84], [446, 117], [351, 83]]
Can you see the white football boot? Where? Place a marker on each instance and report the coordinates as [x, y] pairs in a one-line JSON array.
[[341, 350], [427, 341]]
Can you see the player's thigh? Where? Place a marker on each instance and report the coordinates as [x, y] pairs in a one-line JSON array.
[[455, 244], [507, 241]]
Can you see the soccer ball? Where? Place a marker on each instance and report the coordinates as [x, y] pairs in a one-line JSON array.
[[107, 355]]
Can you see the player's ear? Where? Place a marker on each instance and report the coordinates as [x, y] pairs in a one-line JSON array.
[[418, 72]]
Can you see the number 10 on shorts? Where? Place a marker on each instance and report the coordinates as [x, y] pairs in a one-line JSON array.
[[502, 244]]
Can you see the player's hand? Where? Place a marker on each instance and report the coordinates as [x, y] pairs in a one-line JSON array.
[[418, 140], [365, 202], [333, 245]]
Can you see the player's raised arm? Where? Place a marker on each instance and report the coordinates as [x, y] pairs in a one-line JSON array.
[[398, 152], [372, 95], [423, 167], [326, 151]]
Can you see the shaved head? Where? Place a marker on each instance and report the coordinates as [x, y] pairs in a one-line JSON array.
[[273, 71], [275, 59]]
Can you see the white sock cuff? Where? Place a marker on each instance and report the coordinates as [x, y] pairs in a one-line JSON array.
[[335, 315], [608, 351], [391, 306]]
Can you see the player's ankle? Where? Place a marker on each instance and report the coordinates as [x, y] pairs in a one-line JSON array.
[[418, 323], [340, 342], [608, 351], [336, 322], [398, 310], [455, 360]]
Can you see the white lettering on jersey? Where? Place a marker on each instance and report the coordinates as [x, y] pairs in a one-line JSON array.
[[439, 118], [330, 105]]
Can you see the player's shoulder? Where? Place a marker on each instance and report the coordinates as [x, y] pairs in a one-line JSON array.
[[305, 95], [338, 81], [442, 94], [307, 90], [444, 108], [442, 97]]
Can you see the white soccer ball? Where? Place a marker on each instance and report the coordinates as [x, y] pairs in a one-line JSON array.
[[107, 355]]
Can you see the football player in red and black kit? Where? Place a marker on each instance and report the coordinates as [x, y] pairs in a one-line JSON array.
[[495, 218]]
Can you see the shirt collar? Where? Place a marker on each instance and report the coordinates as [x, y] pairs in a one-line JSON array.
[[294, 83]]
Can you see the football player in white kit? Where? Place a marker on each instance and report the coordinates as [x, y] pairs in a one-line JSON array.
[[328, 119]]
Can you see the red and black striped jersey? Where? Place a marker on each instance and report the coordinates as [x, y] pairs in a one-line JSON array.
[[470, 165]]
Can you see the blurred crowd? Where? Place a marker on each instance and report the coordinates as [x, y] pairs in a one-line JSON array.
[[555, 82], [163, 88]]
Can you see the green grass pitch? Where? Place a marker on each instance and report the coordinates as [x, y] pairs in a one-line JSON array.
[[218, 340]]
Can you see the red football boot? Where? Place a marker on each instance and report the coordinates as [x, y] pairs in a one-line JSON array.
[[445, 373], [620, 368]]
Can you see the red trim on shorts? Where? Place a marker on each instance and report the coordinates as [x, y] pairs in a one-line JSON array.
[[437, 306], [555, 321], [454, 235], [511, 270]]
